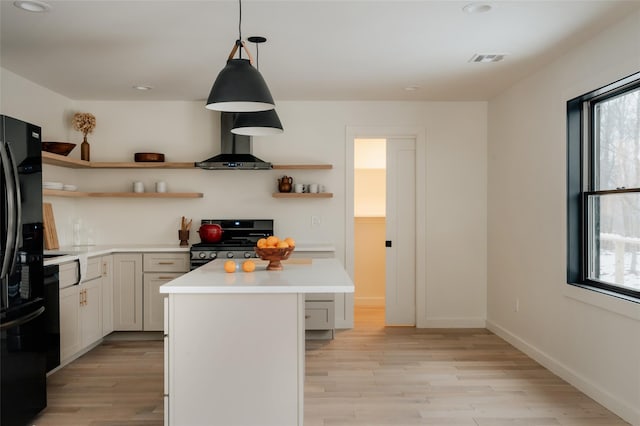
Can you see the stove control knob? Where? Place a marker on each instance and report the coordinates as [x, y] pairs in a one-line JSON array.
[[202, 255], [213, 255], [229, 255], [247, 254]]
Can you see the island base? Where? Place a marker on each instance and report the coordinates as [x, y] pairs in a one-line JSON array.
[[234, 359]]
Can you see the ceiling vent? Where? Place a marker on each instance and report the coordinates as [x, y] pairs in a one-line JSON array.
[[486, 58]]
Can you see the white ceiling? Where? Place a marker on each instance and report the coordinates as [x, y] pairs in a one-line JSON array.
[[316, 50]]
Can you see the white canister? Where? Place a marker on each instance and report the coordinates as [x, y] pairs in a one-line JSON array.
[[313, 188], [138, 186], [298, 187], [161, 186]]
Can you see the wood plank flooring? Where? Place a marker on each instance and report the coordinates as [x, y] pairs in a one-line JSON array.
[[370, 375]]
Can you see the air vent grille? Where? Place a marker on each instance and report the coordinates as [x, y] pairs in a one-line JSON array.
[[486, 58]]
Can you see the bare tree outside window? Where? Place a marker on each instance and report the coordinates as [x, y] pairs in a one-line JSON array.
[[613, 213]]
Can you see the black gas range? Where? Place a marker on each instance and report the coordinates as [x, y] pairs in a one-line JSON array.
[[239, 237]]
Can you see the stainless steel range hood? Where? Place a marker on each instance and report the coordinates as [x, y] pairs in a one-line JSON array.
[[235, 151]]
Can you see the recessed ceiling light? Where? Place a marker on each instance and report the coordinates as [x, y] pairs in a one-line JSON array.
[[412, 88], [477, 8], [33, 6], [142, 88], [487, 58]]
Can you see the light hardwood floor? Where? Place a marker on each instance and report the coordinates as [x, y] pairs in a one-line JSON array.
[[370, 375]]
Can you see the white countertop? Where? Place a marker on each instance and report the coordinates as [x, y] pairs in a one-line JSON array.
[[319, 276], [73, 252]]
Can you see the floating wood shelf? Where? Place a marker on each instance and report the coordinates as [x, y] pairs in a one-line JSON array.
[[302, 195], [80, 194], [302, 166], [61, 160]]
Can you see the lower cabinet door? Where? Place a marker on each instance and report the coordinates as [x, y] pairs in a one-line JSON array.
[[153, 300], [70, 342], [91, 312]]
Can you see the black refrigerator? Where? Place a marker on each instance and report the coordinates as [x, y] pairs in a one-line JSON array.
[[23, 357]]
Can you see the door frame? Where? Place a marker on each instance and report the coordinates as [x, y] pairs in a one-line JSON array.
[[395, 132]]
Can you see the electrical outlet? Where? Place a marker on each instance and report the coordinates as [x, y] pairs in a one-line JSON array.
[[315, 220]]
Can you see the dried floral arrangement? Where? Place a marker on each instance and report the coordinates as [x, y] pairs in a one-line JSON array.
[[84, 122]]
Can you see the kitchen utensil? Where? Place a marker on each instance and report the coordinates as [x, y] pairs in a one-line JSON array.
[[141, 157], [285, 183], [298, 188], [60, 148], [274, 256], [210, 233]]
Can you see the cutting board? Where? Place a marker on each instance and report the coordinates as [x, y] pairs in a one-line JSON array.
[[50, 233]]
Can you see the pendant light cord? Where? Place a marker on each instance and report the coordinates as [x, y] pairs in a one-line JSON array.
[[240, 26]]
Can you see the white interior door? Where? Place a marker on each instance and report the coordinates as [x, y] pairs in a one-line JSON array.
[[400, 305]]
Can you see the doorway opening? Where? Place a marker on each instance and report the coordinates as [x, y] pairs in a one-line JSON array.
[[369, 226]]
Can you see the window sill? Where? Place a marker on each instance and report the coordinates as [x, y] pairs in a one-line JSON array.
[[593, 296]]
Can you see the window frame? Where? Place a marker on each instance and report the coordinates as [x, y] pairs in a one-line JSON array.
[[581, 181]]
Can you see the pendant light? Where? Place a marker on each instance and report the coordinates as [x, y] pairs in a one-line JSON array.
[[240, 87], [262, 123]]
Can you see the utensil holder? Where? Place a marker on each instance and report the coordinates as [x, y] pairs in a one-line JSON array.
[[184, 238]]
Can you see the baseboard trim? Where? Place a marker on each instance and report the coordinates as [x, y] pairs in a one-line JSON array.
[[452, 322], [628, 412]]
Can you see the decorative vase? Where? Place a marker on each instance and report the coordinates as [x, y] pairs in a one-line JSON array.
[[84, 149]]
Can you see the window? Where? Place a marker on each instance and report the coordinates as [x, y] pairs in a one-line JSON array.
[[603, 189]]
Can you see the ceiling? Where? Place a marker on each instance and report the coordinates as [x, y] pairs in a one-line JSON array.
[[316, 49]]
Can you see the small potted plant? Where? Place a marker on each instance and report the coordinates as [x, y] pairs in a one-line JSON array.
[[84, 122]]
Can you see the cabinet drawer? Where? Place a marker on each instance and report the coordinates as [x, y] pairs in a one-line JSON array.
[[93, 269], [324, 297], [68, 274], [319, 315], [166, 262]]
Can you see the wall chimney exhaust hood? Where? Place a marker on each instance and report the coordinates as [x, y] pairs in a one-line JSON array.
[[235, 153]]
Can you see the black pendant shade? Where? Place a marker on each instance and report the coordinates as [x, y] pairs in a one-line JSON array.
[[240, 88], [262, 123]]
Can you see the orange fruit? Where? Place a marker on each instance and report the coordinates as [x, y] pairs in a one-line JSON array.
[[272, 241], [230, 266], [290, 241], [262, 243], [248, 266], [282, 244]]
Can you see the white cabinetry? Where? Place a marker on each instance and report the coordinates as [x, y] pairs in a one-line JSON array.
[[137, 303], [107, 295], [70, 343], [159, 268], [80, 309], [127, 291]]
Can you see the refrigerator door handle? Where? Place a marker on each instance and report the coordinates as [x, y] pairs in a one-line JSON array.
[[18, 209], [18, 233], [23, 320], [11, 216]]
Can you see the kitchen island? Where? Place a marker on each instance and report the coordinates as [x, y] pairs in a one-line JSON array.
[[235, 343]]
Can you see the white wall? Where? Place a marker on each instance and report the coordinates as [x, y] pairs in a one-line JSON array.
[[315, 132], [591, 340]]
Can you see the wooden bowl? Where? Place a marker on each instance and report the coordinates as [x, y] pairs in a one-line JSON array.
[[274, 256], [148, 157], [60, 148]]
